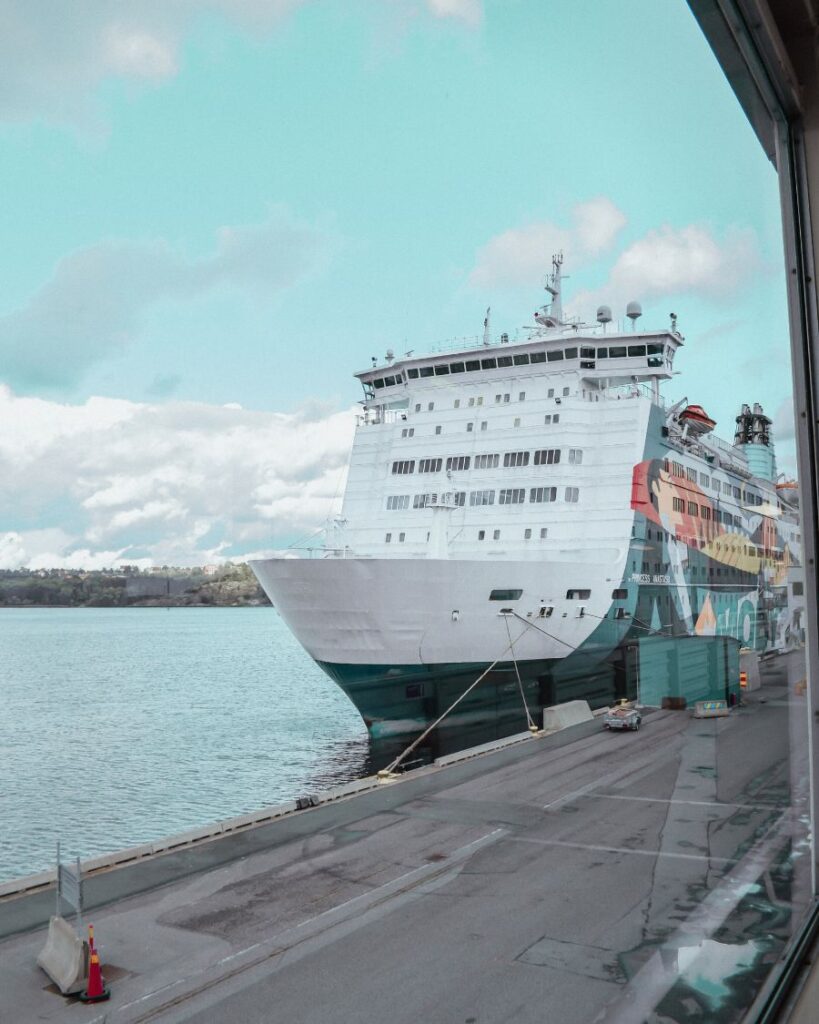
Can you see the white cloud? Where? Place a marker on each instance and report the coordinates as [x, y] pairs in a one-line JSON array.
[[468, 11], [53, 55], [96, 301], [520, 256], [182, 483], [672, 261]]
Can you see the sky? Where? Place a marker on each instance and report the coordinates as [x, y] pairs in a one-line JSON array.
[[216, 211]]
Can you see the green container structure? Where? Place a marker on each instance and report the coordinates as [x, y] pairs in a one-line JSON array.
[[692, 668]]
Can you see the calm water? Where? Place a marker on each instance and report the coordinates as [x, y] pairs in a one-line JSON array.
[[119, 726]]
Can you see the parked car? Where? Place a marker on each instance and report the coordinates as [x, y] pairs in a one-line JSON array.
[[622, 717]]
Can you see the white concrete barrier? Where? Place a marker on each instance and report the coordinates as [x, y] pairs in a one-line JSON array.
[[561, 716], [711, 709], [64, 957]]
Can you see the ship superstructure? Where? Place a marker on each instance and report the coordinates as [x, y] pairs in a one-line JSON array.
[[535, 503]]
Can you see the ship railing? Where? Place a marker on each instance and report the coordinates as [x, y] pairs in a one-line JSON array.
[[324, 551], [635, 389], [378, 414]]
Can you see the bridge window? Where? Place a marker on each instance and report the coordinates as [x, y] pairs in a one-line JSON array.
[[472, 365], [412, 373], [441, 369], [505, 595], [521, 360], [537, 357], [456, 367], [427, 371], [571, 353], [636, 350], [489, 364], [617, 352], [555, 355], [378, 383], [655, 349], [602, 353], [504, 360]]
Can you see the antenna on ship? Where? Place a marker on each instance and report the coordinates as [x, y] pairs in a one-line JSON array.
[[486, 340], [553, 282], [551, 315]]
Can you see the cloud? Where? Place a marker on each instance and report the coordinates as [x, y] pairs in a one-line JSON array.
[[518, 256], [182, 483], [468, 11], [54, 55], [670, 261], [97, 300]]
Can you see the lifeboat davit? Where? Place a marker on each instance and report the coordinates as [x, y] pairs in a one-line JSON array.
[[697, 419]]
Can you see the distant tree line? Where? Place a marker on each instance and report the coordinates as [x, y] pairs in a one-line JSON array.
[[224, 586]]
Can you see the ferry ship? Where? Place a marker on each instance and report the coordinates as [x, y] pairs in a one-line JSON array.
[[536, 508]]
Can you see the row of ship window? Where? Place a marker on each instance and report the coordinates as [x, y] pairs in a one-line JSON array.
[[548, 419], [588, 354], [776, 554], [481, 534], [505, 496], [502, 399], [731, 490], [459, 463], [705, 512]]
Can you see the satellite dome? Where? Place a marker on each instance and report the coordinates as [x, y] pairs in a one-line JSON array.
[[634, 310], [604, 314]]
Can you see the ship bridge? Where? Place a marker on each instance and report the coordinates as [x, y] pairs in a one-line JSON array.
[[596, 357], [597, 361]]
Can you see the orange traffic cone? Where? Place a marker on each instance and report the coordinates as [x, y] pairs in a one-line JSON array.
[[95, 990]]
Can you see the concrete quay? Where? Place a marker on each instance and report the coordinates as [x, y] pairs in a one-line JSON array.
[[576, 877]]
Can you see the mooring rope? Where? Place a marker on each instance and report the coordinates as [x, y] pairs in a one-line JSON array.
[[394, 764], [529, 721]]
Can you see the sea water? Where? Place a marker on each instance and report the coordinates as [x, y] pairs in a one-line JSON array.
[[119, 726]]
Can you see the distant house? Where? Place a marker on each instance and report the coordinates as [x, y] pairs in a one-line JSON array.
[[210, 570]]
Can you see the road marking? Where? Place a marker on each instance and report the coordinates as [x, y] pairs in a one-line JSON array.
[[690, 803], [622, 849]]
